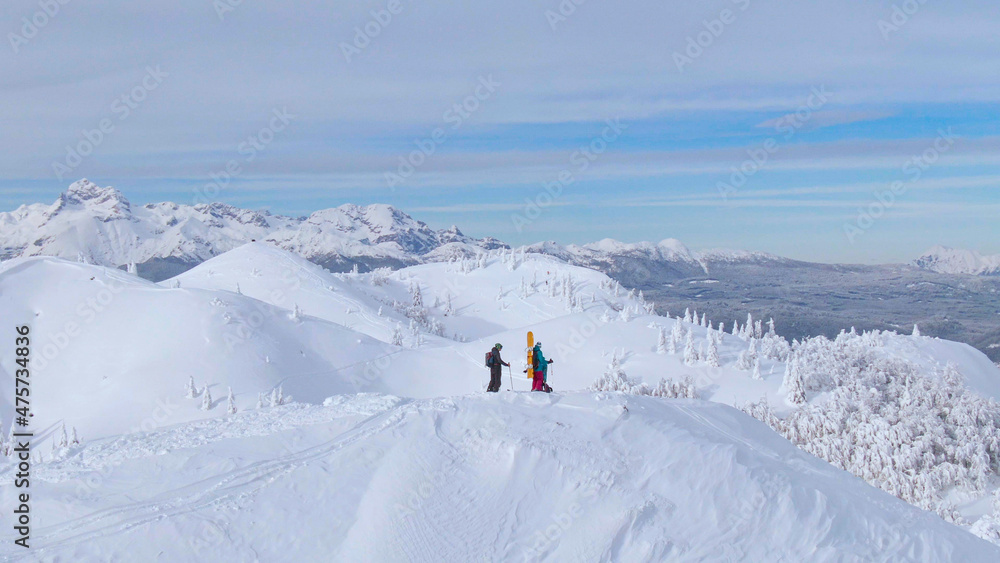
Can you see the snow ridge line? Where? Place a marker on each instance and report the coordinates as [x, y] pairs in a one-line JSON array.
[[137, 514]]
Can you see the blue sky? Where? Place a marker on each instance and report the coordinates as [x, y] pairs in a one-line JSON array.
[[893, 86]]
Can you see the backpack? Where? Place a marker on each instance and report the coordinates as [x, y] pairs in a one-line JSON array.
[[489, 359]]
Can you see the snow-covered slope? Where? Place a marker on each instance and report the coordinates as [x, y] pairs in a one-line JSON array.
[[113, 352], [516, 477], [946, 260], [113, 355], [99, 225]]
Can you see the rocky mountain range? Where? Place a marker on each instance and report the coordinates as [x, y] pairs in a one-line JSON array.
[[949, 293]]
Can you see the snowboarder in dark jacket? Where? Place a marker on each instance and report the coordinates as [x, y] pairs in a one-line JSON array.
[[496, 363]]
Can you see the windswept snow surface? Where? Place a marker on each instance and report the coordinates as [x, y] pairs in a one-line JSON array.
[[514, 477], [159, 477]]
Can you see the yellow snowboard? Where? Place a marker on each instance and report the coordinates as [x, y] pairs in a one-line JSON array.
[[531, 354]]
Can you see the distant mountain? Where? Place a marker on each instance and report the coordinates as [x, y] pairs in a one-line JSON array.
[[98, 225], [946, 260], [646, 263]]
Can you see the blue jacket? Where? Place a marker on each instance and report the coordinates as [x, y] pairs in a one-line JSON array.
[[539, 358]]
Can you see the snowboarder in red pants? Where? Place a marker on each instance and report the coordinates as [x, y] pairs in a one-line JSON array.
[[540, 367]]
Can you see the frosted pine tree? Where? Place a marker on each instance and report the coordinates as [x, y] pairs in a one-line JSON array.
[[206, 399], [712, 356], [260, 400], [756, 370], [76, 438], [916, 330], [687, 316], [793, 383], [274, 398], [448, 310], [281, 395], [690, 354], [397, 335], [770, 327], [626, 314], [676, 335], [661, 343], [231, 400], [192, 391]]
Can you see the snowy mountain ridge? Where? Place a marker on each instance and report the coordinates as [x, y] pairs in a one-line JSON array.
[[945, 260], [98, 225]]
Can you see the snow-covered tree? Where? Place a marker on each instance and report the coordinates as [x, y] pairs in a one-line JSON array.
[[661, 343], [260, 400], [756, 370], [231, 402], [625, 315], [690, 354], [794, 384], [190, 390], [676, 336], [206, 399], [712, 356], [916, 330], [397, 335]]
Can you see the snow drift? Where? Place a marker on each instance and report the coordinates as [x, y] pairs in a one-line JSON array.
[[515, 477]]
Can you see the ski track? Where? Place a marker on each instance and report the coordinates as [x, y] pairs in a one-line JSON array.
[[207, 492]]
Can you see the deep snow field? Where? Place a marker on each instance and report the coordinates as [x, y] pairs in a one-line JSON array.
[[386, 448]]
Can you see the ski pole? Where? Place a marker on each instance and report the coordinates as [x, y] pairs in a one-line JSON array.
[[511, 374]]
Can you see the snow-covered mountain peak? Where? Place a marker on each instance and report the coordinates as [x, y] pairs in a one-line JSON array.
[[105, 202], [946, 260], [98, 225]]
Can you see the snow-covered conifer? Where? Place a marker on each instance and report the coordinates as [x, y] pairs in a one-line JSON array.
[[690, 354], [712, 356], [230, 403], [661, 343], [206, 399], [190, 390]]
